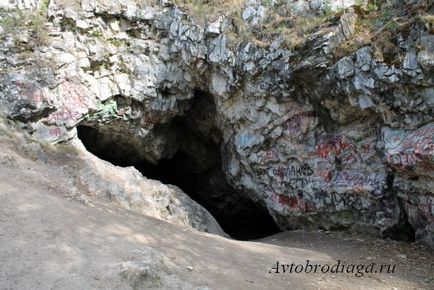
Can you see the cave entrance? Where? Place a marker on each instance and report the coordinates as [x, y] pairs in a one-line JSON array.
[[195, 167]]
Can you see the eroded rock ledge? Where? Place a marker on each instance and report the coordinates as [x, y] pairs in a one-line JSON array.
[[319, 140]]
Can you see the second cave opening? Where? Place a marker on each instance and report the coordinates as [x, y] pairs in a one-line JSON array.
[[195, 167]]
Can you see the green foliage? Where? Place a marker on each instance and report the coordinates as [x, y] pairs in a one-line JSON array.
[[105, 110], [372, 7], [392, 26], [44, 6], [386, 14], [204, 10], [359, 3], [18, 21], [97, 33], [118, 42], [38, 21], [327, 7], [37, 28], [8, 21]]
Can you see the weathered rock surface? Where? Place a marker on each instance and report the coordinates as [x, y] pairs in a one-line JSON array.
[[149, 270], [321, 142], [129, 188]]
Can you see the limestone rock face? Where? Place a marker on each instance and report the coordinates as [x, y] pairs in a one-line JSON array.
[[130, 189], [321, 141]]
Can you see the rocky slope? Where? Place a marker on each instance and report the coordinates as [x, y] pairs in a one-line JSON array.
[[334, 131]]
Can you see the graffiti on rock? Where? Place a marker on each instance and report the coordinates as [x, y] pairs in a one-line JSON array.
[[63, 115], [75, 104], [325, 175], [295, 202], [310, 203], [31, 92], [55, 132], [402, 159], [269, 156], [298, 123], [246, 141], [293, 170], [411, 150], [295, 175], [334, 147], [360, 182]]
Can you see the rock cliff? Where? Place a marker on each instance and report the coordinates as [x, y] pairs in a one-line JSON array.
[[328, 128]]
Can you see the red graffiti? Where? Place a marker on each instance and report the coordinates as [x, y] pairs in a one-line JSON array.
[[271, 155], [402, 159], [72, 94], [55, 132], [290, 201], [296, 202], [424, 146], [326, 176], [366, 148], [340, 145], [63, 115], [420, 141], [416, 149], [19, 84], [75, 104], [336, 146], [424, 132], [324, 150]]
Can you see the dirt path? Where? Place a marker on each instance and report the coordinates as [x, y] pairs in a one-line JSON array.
[[413, 263], [49, 242]]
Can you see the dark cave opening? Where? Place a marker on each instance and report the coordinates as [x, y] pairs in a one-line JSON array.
[[239, 217], [195, 167]]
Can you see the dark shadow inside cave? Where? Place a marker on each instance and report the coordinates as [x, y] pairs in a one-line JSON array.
[[196, 168]]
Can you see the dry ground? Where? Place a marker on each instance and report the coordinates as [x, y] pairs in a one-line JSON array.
[[51, 241]]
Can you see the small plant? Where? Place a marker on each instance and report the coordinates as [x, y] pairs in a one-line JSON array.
[[37, 28], [105, 110], [32, 21], [11, 19], [392, 26], [97, 33], [266, 2], [328, 9], [359, 3], [38, 21], [386, 14], [118, 42], [372, 7], [43, 8]]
